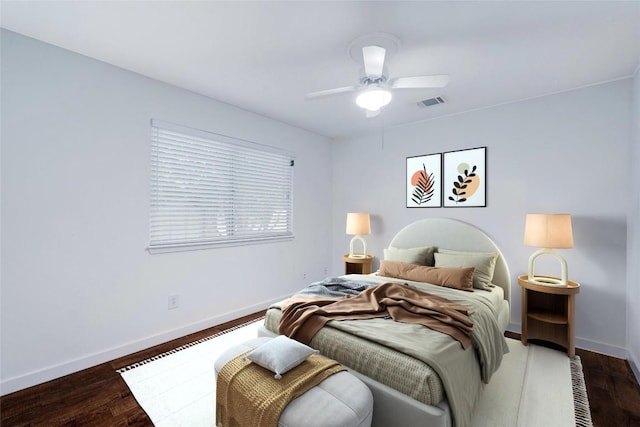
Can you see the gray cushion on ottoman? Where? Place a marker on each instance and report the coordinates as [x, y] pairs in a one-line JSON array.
[[341, 400]]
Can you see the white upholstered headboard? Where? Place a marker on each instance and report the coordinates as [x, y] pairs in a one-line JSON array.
[[457, 235]]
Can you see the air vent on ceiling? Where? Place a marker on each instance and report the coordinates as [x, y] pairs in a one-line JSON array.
[[431, 101]]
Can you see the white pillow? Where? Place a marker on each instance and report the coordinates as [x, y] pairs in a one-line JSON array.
[[280, 355], [419, 256], [484, 263]]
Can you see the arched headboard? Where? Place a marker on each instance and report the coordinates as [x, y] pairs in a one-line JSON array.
[[456, 235]]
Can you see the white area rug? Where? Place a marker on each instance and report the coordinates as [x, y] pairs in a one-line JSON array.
[[179, 388], [532, 388]]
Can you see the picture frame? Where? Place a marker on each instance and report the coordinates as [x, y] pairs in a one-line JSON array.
[[424, 181], [465, 178]]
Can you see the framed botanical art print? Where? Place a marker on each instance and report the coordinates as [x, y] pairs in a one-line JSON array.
[[424, 181], [465, 178]]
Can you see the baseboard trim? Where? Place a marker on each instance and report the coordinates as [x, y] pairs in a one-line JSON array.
[[585, 344], [634, 366], [21, 382], [602, 348]]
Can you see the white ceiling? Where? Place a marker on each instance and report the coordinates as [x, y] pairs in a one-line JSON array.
[[264, 56]]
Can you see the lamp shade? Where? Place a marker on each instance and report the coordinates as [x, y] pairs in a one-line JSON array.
[[548, 231], [358, 223]]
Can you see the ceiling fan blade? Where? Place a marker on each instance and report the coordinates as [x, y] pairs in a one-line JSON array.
[[372, 114], [373, 60], [439, 80], [321, 93]]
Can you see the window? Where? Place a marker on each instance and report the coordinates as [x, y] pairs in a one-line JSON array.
[[209, 190]]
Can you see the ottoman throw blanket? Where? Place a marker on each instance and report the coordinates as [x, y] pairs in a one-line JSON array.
[[303, 316], [248, 395]]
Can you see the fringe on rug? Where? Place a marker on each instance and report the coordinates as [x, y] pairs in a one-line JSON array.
[[183, 347], [580, 398]]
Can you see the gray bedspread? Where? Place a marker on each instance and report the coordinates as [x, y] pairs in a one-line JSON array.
[[462, 372]]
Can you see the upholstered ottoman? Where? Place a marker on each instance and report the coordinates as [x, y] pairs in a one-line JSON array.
[[341, 400]]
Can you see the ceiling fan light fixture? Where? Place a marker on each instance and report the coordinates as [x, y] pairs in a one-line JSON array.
[[373, 99]]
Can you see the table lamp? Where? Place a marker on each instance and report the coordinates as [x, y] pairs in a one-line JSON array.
[[358, 225], [548, 232]]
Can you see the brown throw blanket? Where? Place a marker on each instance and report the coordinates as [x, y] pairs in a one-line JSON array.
[[303, 316], [247, 395]]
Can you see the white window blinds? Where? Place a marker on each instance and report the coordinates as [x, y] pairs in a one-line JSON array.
[[209, 190]]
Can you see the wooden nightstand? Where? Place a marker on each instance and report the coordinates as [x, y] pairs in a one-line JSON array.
[[548, 313], [357, 265]]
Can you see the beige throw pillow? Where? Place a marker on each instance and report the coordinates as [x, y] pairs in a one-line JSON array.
[[457, 278], [483, 262]]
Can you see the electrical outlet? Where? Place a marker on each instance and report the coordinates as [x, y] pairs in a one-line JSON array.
[[326, 270], [304, 275], [174, 301]]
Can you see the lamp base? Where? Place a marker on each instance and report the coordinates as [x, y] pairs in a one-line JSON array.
[[547, 281], [364, 248]]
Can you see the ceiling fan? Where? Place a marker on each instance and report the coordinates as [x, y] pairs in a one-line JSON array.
[[375, 87]]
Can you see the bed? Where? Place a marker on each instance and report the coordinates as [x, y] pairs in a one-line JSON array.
[[409, 386]]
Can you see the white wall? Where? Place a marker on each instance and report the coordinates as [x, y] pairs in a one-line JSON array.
[[633, 244], [566, 152], [78, 286]]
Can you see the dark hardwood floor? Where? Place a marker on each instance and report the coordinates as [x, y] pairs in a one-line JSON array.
[[99, 397], [614, 394]]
